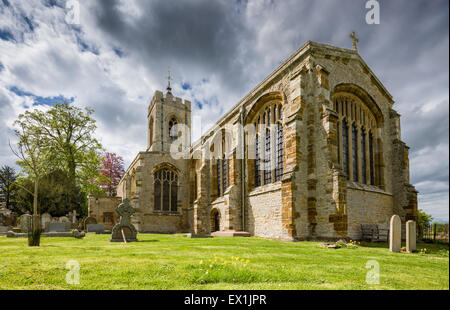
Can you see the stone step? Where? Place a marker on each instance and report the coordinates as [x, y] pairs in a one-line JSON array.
[[230, 233]]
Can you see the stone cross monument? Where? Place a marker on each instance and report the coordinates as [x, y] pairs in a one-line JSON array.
[[124, 231]]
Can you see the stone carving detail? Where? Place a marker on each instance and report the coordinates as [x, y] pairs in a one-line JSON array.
[[124, 229]]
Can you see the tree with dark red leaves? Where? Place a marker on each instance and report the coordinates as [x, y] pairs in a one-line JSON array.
[[113, 169]]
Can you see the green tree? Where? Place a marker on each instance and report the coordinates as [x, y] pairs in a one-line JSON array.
[[423, 221], [57, 194], [35, 159], [68, 131], [8, 188]]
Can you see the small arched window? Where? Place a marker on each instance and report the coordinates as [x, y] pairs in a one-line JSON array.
[[173, 128], [165, 190]]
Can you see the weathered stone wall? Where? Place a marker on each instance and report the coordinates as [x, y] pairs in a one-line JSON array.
[[264, 212], [160, 223], [99, 205], [367, 205]]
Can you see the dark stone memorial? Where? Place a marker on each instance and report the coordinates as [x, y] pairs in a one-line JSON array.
[[124, 231]]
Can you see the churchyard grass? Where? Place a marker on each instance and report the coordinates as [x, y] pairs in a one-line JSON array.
[[176, 262]]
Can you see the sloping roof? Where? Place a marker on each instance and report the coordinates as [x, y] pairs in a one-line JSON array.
[[308, 48]]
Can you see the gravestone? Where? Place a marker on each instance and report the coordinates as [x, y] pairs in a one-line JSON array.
[[97, 228], [79, 235], [89, 220], [25, 222], [7, 218], [395, 234], [124, 229], [4, 229], [410, 236], [58, 227], [46, 219]]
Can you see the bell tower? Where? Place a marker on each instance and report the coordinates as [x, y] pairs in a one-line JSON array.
[[166, 115]]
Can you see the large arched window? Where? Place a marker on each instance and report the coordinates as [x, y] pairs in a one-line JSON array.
[[173, 128], [165, 190], [221, 171], [268, 160], [359, 123]]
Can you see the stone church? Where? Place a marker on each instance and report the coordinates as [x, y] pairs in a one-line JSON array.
[[312, 152]]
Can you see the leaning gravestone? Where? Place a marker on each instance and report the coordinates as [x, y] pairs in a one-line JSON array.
[[124, 229], [410, 236], [96, 228], [395, 234], [79, 235], [25, 222], [57, 227]]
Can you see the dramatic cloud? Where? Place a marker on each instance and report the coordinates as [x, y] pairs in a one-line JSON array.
[[219, 50]]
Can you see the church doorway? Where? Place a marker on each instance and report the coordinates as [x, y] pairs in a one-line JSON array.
[[215, 220]]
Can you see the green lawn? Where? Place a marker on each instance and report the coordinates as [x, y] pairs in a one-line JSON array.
[[175, 262]]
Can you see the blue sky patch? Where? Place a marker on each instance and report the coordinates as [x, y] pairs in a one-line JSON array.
[[52, 3], [1, 67], [198, 104], [119, 52], [38, 100], [186, 86], [86, 47], [6, 35]]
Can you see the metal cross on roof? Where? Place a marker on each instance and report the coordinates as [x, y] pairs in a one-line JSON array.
[[169, 78], [355, 40]]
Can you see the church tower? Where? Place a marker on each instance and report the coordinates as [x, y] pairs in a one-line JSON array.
[[166, 115]]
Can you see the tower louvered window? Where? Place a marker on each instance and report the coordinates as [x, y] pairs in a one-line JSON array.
[[173, 129]]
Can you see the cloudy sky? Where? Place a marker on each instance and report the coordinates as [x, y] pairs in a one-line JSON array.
[[118, 55]]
